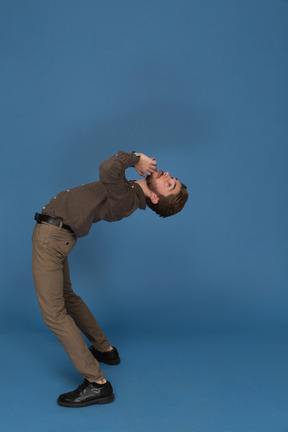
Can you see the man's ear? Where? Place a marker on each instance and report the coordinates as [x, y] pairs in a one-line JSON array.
[[154, 198]]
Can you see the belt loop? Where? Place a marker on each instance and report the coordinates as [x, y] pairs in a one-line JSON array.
[[60, 225]]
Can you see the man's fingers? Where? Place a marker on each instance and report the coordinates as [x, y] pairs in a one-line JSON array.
[[147, 166], [153, 165], [140, 172]]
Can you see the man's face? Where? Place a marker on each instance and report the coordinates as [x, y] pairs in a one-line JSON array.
[[161, 183]]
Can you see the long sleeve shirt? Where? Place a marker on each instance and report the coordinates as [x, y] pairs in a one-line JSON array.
[[112, 198]]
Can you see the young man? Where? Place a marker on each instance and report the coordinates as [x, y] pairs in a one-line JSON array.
[[70, 215]]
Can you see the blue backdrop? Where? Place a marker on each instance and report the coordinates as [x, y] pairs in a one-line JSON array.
[[202, 86]]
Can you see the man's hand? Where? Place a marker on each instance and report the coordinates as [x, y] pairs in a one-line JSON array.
[[145, 165]]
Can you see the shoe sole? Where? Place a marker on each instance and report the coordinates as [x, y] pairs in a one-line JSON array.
[[101, 401], [101, 360], [110, 363]]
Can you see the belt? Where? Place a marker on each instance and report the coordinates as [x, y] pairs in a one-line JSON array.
[[52, 220]]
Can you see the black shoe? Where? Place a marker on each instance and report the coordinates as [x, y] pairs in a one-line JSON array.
[[107, 357], [87, 394]]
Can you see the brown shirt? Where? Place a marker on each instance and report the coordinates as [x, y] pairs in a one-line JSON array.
[[111, 198]]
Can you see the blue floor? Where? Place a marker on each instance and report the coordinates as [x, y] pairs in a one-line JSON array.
[[205, 382]]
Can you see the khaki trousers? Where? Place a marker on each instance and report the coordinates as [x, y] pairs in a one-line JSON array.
[[62, 310]]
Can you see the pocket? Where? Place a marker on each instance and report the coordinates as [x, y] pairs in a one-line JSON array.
[[42, 233], [61, 242], [69, 246]]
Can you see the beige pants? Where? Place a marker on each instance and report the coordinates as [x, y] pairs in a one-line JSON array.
[[62, 310]]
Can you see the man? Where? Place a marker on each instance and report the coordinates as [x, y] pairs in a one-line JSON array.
[[70, 215]]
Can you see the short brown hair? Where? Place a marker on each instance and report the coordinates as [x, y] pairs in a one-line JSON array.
[[171, 204]]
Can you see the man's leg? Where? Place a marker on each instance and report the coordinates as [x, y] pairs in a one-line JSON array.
[[50, 247], [82, 315]]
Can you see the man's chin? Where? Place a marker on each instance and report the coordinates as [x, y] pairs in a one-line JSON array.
[[150, 181], [150, 176]]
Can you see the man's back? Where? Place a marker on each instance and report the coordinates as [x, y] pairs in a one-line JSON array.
[[110, 199]]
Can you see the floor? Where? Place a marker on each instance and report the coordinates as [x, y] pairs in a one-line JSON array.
[[202, 382]]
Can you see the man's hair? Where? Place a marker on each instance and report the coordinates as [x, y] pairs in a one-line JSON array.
[[171, 204]]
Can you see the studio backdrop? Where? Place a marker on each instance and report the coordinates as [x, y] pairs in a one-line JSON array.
[[202, 86]]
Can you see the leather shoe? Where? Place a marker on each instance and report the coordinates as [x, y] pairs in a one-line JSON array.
[[87, 394], [107, 357]]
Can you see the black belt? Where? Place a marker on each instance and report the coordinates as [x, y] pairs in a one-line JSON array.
[[52, 220]]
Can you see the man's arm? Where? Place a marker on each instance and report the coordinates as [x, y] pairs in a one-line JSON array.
[[112, 170]]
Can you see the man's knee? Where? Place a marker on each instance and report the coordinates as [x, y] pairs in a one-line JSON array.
[[71, 299], [54, 317]]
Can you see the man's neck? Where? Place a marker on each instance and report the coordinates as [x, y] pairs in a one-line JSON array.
[[143, 184]]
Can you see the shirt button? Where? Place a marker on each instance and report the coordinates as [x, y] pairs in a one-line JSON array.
[[132, 186], [54, 197], [68, 190], [44, 208]]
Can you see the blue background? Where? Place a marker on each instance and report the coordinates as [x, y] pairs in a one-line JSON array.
[[196, 303]]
